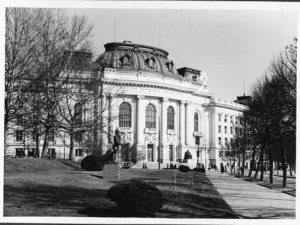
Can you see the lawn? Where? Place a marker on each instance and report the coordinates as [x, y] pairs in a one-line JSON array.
[[42, 187]]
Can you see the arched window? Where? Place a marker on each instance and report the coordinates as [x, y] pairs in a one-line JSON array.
[[125, 115], [196, 122], [150, 116], [170, 118], [78, 113]]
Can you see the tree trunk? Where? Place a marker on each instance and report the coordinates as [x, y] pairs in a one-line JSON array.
[[46, 142], [37, 149], [252, 163], [271, 164], [283, 160], [262, 165], [230, 165], [291, 172], [259, 161], [71, 154]]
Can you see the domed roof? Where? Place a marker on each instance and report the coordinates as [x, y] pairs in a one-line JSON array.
[[130, 56]]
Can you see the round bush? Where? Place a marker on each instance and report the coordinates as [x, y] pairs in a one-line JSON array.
[[184, 169], [92, 163], [136, 196]]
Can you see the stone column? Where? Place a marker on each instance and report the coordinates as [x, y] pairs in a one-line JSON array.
[[164, 150], [187, 124], [110, 125], [181, 124], [164, 120], [140, 119]]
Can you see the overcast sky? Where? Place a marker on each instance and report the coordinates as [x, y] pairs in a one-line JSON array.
[[230, 46]]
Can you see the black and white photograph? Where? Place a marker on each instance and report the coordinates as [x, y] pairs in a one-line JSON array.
[[166, 112]]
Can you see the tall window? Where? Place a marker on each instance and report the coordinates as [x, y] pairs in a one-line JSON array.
[[219, 141], [125, 115], [150, 116], [219, 117], [78, 152], [225, 118], [78, 113], [225, 130], [219, 128], [231, 130], [170, 118], [51, 135], [19, 120], [196, 122], [19, 135]]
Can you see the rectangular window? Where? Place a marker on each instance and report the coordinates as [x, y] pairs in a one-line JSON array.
[[219, 117], [19, 135], [219, 141], [51, 119], [225, 118], [19, 120], [20, 152], [78, 152], [31, 152], [225, 140], [236, 131], [219, 128], [221, 154], [231, 130], [231, 119], [225, 129], [78, 136], [51, 135]]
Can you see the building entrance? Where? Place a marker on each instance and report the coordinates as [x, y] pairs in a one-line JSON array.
[[150, 149], [171, 153]]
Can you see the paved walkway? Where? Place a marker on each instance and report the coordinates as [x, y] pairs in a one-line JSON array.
[[251, 201]]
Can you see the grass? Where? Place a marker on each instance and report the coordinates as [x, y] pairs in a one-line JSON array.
[[42, 187]]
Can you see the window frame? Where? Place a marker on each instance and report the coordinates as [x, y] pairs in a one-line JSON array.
[[150, 116], [19, 133], [125, 115], [170, 118], [196, 122]]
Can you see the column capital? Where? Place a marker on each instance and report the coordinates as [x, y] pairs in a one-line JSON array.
[[181, 102], [188, 102], [164, 99], [140, 97]]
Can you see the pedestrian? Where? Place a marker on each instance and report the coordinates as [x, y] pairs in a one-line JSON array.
[[222, 168]]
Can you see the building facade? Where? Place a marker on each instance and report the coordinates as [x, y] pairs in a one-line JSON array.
[[161, 112]]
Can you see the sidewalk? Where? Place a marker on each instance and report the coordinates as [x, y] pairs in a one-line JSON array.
[[251, 201]]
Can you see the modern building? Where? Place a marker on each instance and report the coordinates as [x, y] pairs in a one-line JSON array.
[[161, 111]]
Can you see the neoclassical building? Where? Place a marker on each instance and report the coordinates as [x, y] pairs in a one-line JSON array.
[[161, 111]]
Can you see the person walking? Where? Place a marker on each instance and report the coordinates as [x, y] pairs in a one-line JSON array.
[[222, 168]]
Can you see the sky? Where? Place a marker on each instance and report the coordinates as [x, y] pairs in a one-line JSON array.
[[233, 47]]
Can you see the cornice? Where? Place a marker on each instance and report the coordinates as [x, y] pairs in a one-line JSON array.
[[154, 85]]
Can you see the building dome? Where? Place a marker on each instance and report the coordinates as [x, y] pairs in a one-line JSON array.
[[130, 56]]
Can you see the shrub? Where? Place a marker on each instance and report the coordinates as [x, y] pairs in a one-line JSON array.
[[92, 163], [201, 170], [136, 196], [184, 169]]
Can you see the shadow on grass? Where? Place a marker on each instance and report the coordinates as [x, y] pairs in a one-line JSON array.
[[110, 212], [53, 198]]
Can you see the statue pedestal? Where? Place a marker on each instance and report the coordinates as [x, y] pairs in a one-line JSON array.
[[111, 172], [190, 161]]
